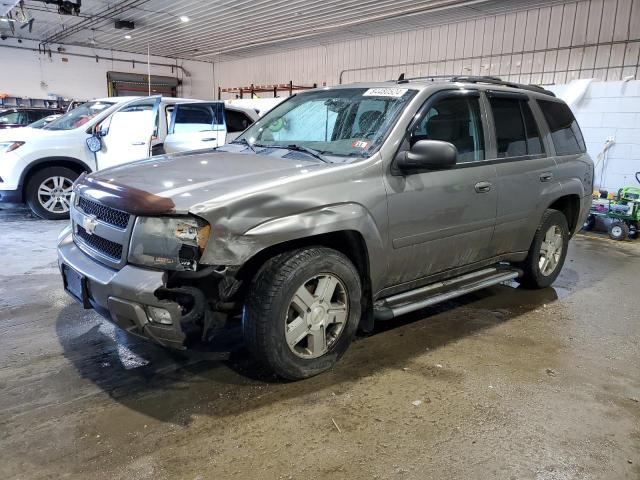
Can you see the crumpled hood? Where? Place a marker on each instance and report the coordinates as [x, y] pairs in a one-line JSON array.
[[192, 179]]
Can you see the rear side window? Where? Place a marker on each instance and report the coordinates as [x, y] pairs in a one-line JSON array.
[[236, 121], [191, 118], [565, 132], [517, 134]]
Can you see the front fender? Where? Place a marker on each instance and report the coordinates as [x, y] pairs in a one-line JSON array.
[[227, 248]]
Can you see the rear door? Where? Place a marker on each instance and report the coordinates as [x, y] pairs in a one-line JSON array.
[[526, 173], [195, 126], [443, 219], [127, 133]]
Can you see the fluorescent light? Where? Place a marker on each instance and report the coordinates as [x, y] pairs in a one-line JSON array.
[[128, 37], [184, 18]]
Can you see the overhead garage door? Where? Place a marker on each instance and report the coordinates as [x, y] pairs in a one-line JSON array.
[[124, 84]]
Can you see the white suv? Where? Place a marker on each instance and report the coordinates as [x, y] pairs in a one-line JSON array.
[[39, 166]]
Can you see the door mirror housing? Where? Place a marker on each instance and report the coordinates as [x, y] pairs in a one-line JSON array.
[[427, 155]]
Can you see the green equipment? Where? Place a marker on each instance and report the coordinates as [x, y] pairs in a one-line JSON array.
[[623, 210]]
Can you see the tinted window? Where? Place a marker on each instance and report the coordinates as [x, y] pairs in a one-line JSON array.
[[196, 118], [565, 132], [38, 114], [517, 134], [236, 121], [455, 120]]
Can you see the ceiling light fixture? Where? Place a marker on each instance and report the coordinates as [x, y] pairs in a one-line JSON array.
[[184, 18], [128, 37]]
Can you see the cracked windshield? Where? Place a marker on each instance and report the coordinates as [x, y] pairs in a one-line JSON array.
[[348, 123]]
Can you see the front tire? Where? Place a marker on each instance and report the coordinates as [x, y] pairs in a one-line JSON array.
[[547, 252], [302, 311], [48, 192]]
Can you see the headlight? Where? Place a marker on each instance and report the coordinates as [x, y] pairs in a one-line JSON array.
[[171, 243], [6, 147]]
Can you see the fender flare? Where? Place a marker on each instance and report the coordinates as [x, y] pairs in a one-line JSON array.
[[236, 249], [32, 166]]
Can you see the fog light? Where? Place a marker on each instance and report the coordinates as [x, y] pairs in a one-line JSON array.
[[159, 315]]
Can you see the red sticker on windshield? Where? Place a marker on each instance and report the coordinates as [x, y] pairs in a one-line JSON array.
[[360, 144]]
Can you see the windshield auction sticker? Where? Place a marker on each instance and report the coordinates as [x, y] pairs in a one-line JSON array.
[[385, 92]]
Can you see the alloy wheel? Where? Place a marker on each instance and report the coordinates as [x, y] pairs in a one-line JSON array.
[[54, 194], [316, 316], [550, 251]]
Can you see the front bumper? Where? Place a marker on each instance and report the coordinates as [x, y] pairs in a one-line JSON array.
[[123, 296]]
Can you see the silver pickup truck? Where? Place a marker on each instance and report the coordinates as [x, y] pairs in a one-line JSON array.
[[341, 207]]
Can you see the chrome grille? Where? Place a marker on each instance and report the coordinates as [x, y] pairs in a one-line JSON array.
[[105, 214], [106, 247], [102, 232]]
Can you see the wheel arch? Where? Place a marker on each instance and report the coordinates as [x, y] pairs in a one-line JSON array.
[[350, 243], [74, 164], [569, 205]]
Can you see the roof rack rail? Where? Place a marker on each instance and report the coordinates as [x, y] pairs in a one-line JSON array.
[[479, 79]]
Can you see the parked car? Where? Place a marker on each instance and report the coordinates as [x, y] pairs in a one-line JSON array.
[[340, 207], [21, 117], [38, 166], [44, 121]]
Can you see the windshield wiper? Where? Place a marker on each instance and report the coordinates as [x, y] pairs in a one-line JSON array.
[[300, 148], [243, 141]]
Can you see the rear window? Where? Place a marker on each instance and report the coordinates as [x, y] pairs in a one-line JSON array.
[[517, 134], [565, 132]]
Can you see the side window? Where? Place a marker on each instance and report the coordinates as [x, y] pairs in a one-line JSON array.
[[565, 133], [14, 117], [195, 118], [236, 121], [517, 134], [455, 120]]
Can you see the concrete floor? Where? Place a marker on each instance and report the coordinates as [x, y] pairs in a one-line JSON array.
[[513, 384]]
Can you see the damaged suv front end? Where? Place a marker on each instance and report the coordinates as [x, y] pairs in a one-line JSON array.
[[140, 268]]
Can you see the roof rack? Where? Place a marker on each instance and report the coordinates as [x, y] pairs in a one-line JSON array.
[[478, 79]]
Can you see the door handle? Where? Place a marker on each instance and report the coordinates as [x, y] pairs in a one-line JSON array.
[[137, 143], [482, 187], [209, 139], [546, 176]]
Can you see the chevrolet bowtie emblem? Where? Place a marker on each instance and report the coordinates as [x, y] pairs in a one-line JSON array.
[[89, 224]]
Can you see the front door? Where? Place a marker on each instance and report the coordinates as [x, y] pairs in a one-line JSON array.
[[128, 132], [439, 220], [196, 126]]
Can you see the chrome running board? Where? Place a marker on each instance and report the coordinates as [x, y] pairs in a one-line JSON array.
[[422, 297]]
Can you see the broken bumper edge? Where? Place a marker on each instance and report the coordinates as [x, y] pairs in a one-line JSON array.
[[121, 296]]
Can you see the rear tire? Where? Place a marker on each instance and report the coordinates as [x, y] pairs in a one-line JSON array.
[[618, 230], [302, 311], [547, 252], [48, 192]]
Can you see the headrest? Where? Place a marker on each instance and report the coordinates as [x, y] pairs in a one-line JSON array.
[[369, 121], [444, 127]]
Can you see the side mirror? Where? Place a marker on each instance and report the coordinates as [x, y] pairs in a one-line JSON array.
[[428, 155], [100, 130]]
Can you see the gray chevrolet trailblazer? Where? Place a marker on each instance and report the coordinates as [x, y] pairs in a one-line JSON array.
[[340, 207]]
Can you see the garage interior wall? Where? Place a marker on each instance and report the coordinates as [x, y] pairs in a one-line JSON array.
[[610, 111], [28, 73], [543, 45]]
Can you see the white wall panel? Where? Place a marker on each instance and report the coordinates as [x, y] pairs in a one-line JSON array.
[[548, 44]]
